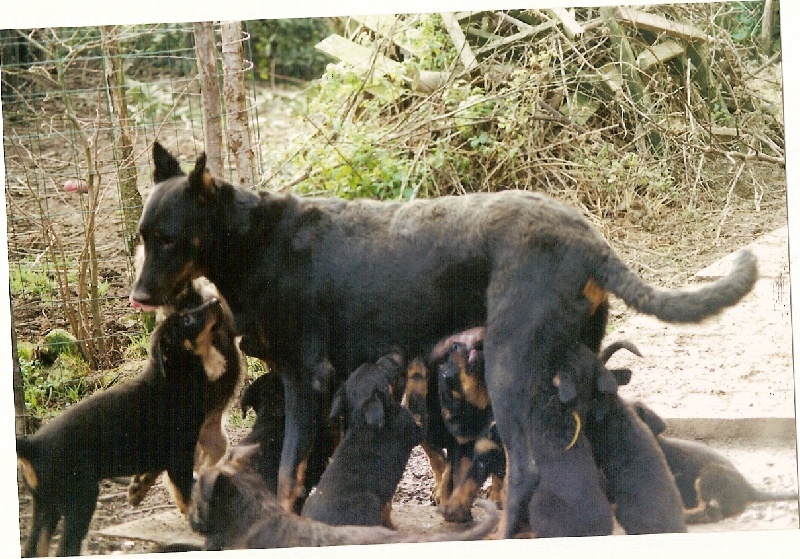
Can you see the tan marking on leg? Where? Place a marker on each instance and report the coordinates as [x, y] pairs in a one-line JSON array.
[[386, 515], [212, 441], [139, 486], [182, 505], [441, 473], [43, 542], [497, 491], [457, 507]]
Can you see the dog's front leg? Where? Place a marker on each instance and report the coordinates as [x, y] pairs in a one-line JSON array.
[[301, 422]]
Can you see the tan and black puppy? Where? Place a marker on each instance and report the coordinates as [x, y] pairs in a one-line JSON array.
[[711, 487], [358, 485], [146, 425], [467, 412], [233, 508]]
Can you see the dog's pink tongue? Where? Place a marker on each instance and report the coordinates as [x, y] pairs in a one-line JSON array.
[[141, 306]]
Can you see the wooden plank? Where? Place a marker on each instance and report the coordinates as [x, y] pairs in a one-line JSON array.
[[659, 53], [459, 40], [659, 24], [364, 58], [571, 27], [503, 41], [357, 56], [387, 26]]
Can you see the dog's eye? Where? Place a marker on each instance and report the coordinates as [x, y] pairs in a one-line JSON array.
[[188, 320]]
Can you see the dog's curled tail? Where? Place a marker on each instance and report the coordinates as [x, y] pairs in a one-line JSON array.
[[477, 532], [680, 305]]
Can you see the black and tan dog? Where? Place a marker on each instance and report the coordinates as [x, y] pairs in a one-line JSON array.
[[711, 487], [358, 485], [233, 508], [147, 425], [212, 442], [313, 281]]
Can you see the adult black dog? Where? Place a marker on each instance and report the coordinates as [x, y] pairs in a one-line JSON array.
[[318, 282]]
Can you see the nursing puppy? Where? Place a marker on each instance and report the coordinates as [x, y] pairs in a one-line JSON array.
[[711, 487], [358, 485], [233, 508], [149, 424], [312, 281]]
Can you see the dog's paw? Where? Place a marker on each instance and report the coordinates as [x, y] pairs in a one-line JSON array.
[[457, 513]]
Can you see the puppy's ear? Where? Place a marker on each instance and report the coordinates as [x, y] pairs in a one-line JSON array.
[[374, 414], [239, 456], [338, 404], [166, 166], [650, 418], [201, 183]]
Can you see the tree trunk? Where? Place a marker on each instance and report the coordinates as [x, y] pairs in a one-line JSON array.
[[236, 101], [130, 199], [206, 51]]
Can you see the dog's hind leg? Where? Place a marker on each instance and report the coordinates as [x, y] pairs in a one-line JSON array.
[[532, 329], [77, 519], [212, 441], [45, 520]]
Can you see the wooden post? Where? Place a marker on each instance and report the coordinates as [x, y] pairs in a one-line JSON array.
[[206, 52], [20, 423], [236, 101]]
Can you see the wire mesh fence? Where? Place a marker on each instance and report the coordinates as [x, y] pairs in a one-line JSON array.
[[81, 107]]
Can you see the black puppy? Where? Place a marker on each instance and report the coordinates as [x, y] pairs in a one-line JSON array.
[[315, 280], [358, 485], [146, 425], [711, 487], [233, 508]]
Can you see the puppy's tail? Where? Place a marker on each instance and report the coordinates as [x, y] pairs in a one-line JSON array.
[[679, 306], [759, 496], [477, 532]]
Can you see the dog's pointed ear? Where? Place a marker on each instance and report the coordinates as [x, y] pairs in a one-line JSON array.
[[166, 166], [201, 183]]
